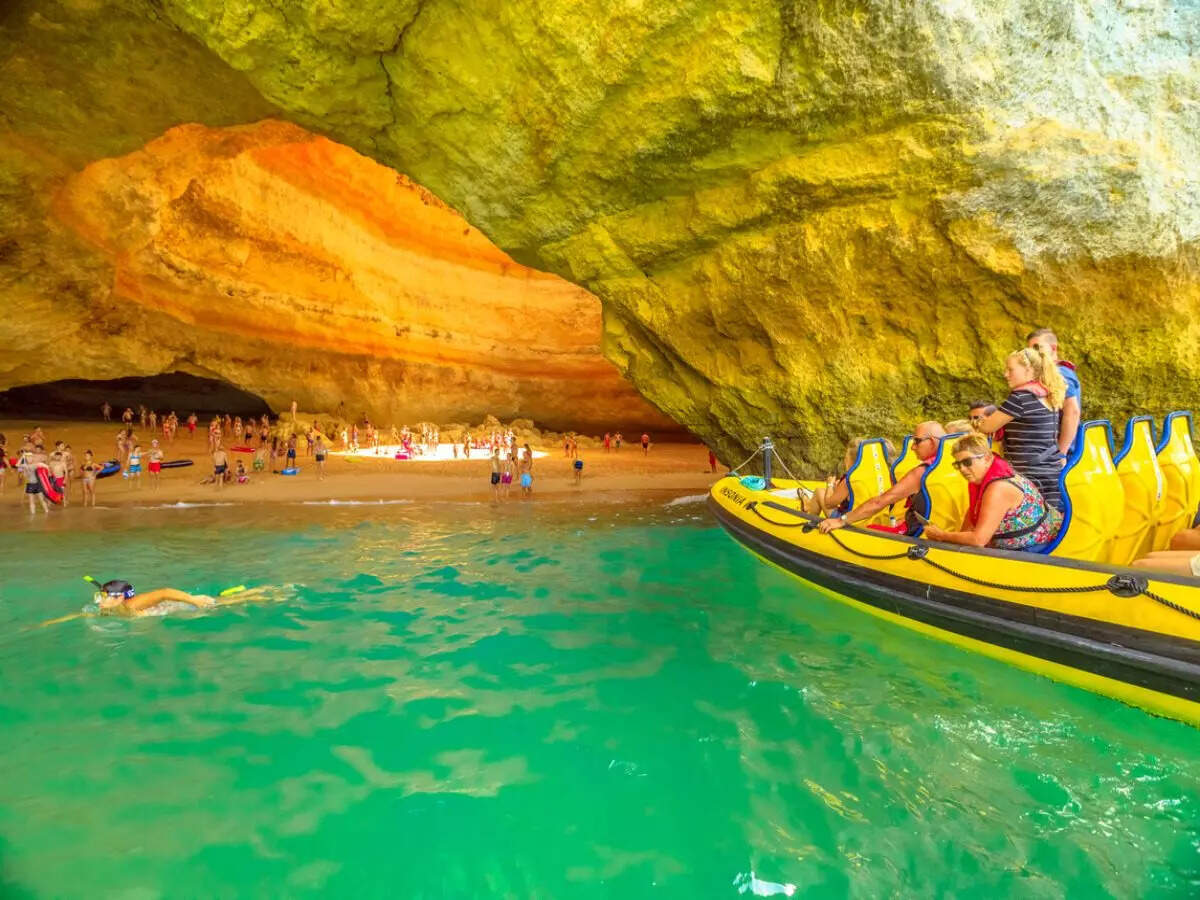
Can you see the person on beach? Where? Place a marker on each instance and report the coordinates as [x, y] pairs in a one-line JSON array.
[[134, 470], [617, 440], [578, 466], [712, 460], [127, 417], [242, 477], [154, 460], [57, 464], [90, 469], [925, 444], [118, 598], [106, 411], [4, 463], [291, 450], [495, 473], [607, 442], [508, 465], [1029, 417], [33, 488], [1072, 408], [153, 417], [1006, 511], [220, 465], [319, 455], [192, 419], [645, 443], [526, 467]]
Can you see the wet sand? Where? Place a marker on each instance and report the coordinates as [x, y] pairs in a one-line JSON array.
[[669, 468]]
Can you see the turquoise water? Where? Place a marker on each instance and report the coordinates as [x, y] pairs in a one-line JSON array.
[[459, 702]]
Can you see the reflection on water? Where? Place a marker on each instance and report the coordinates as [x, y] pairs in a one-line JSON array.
[[462, 701]]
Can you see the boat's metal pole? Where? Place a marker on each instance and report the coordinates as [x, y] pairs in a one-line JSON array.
[[768, 450]]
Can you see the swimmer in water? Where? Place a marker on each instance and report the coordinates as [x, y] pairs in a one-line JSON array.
[[118, 598]]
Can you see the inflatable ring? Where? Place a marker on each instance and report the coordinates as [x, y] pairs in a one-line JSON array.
[[290, 471], [112, 467]]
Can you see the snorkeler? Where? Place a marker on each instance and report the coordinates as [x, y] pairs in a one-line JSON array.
[[118, 598]]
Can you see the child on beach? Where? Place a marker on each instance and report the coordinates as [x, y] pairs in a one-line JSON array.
[[578, 471], [134, 470], [242, 477], [155, 458], [89, 469]]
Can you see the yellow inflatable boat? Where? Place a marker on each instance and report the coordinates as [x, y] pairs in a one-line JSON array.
[[1076, 612]]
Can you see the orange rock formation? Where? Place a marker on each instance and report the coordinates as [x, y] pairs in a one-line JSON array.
[[296, 268]]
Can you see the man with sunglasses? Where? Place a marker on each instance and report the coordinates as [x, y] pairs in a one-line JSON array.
[[925, 440]]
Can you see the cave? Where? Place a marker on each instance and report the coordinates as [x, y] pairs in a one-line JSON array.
[[78, 398]]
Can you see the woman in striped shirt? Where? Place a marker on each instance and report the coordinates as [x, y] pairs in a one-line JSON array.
[[1030, 418]]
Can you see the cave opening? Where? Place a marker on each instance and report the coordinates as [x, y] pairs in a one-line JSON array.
[[79, 398]]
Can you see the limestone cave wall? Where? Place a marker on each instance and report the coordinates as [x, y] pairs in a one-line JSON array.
[[812, 218]]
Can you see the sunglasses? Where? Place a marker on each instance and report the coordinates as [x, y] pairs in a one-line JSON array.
[[961, 464], [920, 440]]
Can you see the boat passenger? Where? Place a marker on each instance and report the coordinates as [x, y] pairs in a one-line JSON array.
[[1029, 417], [834, 497], [1072, 410], [924, 444], [1177, 562], [1006, 511]]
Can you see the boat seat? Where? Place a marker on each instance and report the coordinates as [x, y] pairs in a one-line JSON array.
[[1093, 497], [869, 476], [905, 460], [944, 489], [1142, 480], [1181, 478]]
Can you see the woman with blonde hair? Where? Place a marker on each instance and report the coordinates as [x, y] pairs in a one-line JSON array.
[[1029, 417], [1006, 511]]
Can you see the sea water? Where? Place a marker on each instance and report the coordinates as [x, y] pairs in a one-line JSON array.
[[537, 700]]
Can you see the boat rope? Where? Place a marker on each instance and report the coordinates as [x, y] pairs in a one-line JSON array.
[[738, 467], [1121, 585], [801, 524], [859, 553]]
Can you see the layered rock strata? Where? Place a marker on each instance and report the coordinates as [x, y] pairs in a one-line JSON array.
[[296, 268]]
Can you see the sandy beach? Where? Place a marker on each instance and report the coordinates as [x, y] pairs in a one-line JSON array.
[[670, 467]]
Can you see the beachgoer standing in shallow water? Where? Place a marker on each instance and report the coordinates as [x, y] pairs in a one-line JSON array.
[[495, 473], [319, 455], [617, 441], [134, 470], [90, 468], [526, 467], [220, 465], [578, 465], [154, 461], [106, 411], [645, 443], [33, 487], [58, 470], [127, 417]]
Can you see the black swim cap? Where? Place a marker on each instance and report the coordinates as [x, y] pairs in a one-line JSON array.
[[117, 587]]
